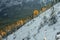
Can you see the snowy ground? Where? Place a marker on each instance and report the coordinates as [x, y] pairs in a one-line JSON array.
[[45, 25]]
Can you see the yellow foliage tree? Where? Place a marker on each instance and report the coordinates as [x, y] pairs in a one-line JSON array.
[[8, 28], [2, 33], [44, 8], [21, 22], [35, 13]]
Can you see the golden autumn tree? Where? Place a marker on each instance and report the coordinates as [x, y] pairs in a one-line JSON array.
[[35, 13], [2, 33], [18, 23], [8, 28], [44, 8], [21, 22]]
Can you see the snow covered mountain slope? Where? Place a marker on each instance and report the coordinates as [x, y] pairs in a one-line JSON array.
[[45, 26]]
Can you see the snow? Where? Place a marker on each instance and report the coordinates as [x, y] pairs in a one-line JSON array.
[[37, 29]]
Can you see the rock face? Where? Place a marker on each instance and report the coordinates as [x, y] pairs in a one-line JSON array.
[[45, 26]]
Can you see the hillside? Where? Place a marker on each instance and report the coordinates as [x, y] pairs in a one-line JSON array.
[[44, 26]]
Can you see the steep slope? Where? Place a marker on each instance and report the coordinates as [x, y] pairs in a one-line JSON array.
[[44, 26], [13, 10]]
